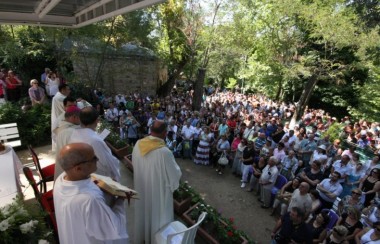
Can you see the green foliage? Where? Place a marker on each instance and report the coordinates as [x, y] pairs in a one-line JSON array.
[[113, 137], [224, 229], [33, 124], [368, 98], [334, 131]]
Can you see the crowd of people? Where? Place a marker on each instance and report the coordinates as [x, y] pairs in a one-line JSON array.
[[247, 135], [254, 134]]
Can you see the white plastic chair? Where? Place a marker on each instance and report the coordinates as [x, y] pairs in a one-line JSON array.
[[177, 233]]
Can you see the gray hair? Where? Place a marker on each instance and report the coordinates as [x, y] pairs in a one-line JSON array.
[[274, 159], [71, 158]]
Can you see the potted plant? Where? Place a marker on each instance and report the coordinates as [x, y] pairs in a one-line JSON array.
[[214, 229], [183, 197], [118, 146], [20, 223]]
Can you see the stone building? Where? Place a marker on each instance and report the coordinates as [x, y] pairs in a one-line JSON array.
[[128, 69]]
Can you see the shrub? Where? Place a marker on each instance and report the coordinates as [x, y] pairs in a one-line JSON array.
[[33, 124]]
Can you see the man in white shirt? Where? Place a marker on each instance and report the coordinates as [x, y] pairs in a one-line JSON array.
[[187, 133], [267, 180], [80, 208], [112, 115], [120, 99], [342, 167], [108, 165], [301, 199], [156, 177], [329, 190]]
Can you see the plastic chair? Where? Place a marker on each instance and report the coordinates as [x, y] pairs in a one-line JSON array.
[[280, 182], [46, 173], [176, 232], [333, 218]]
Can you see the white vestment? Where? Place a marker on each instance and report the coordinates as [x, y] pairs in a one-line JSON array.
[[63, 136], [156, 177], [57, 109], [108, 165], [84, 217]]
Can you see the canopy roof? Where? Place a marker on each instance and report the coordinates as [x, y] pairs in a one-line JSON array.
[[66, 13]]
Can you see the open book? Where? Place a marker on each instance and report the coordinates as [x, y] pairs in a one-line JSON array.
[[112, 187]]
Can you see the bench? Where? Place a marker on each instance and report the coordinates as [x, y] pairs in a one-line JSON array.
[[9, 135]]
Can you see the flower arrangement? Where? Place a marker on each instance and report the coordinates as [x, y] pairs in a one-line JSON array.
[[21, 224], [186, 191], [224, 229]]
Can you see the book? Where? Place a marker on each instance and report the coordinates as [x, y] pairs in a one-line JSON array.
[[112, 187]]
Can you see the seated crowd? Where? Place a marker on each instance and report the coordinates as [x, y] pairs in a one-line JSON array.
[[254, 134]]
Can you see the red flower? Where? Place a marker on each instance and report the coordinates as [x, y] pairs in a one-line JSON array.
[[232, 220], [230, 233]]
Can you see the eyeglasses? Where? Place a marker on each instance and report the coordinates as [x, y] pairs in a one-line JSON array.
[[356, 193], [93, 160]]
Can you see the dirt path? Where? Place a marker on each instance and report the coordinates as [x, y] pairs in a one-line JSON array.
[[224, 193]]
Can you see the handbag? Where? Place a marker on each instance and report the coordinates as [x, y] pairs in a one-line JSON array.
[[223, 159]]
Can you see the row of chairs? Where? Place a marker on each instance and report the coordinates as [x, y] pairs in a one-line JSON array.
[[45, 199], [42, 195]]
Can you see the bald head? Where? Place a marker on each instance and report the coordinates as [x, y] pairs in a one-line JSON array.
[[74, 153], [304, 188], [159, 129]]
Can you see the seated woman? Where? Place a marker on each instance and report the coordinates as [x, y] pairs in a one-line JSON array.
[[353, 179], [369, 235], [371, 214], [351, 220], [312, 174], [318, 225], [353, 200], [283, 197]]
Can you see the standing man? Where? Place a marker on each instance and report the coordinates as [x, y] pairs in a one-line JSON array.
[[267, 180], [57, 109], [80, 208], [156, 177], [108, 165], [64, 131]]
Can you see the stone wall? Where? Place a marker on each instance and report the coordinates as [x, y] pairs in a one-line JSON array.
[[122, 74]]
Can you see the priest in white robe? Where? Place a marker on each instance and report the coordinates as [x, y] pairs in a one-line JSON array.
[[81, 211], [64, 131], [156, 177], [108, 165], [57, 109]]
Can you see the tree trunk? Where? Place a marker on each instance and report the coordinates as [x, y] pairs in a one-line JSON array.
[[279, 91], [198, 89], [167, 87], [304, 99]]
